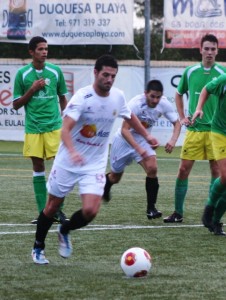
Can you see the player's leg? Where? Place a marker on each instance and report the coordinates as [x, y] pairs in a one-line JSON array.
[[44, 222], [218, 213], [194, 148], [82, 217], [51, 145], [57, 178], [33, 148], [59, 184], [151, 186], [218, 197], [111, 178], [39, 185], [216, 208], [91, 190], [214, 170], [214, 205], [181, 187], [120, 157], [209, 207], [39, 182]]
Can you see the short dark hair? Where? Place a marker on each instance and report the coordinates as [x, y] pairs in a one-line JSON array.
[[35, 41], [106, 60], [154, 85], [209, 38]]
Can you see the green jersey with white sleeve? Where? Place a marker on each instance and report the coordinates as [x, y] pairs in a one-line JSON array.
[[42, 112], [217, 87], [192, 82]]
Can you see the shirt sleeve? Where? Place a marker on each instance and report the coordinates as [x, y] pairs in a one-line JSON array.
[[18, 89], [62, 88], [183, 84], [133, 105], [125, 111], [169, 111], [217, 86], [74, 107]]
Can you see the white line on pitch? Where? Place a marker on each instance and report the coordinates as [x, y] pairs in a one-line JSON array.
[[103, 227]]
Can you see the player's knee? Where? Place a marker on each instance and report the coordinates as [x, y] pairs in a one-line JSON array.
[[90, 213], [183, 172], [152, 172], [52, 206], [115, 177], [50, 211]]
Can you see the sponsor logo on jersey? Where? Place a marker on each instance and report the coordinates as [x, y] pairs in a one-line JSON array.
[[47, 81], [88, 96], [90, 130]]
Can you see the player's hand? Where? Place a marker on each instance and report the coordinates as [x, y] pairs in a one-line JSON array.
[[169, 147], [152, 141], [186, 121], [77, 158], [197, 114], [38, 84], [143, 153]]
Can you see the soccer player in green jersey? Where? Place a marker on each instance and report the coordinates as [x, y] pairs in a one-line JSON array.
[[216, 204], [197, 144], [40, 87]]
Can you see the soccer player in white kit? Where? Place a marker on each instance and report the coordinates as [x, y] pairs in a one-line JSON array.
[[83, 153], [129, 145]]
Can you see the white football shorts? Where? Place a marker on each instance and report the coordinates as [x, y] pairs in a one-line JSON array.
[[122, 154], [61, 182]]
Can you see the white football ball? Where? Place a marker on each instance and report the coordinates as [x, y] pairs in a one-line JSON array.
[[136, 262]]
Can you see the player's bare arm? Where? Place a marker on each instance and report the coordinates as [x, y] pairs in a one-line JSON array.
[[202, 100], [184, 120], [126, 133], [63, 102], [172, 142], [68, 124], [136, 124]]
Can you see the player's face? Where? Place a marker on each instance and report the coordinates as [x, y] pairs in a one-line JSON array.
[[104, 79], [153, 98], [39, 55], [209, 51]]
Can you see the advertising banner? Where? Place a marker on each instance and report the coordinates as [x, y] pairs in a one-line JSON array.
[[186, 21], [67, 22]]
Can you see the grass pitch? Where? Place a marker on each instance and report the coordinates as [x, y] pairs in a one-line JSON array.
[[188, 261]]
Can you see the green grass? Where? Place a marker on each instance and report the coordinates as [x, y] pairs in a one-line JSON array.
[[11, 147], [188, 261]]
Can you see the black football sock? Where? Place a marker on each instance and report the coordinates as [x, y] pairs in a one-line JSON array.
[[107, 186], [76, 221], [43, 225], [152, 187]]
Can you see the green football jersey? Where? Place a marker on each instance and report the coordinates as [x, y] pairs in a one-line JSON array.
[[192, 82], [217, 87], [42, 112]]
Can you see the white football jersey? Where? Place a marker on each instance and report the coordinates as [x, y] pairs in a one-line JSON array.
[[147, 115], [94, 116]]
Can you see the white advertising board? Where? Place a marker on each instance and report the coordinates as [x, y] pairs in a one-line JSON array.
[[129, 79]]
